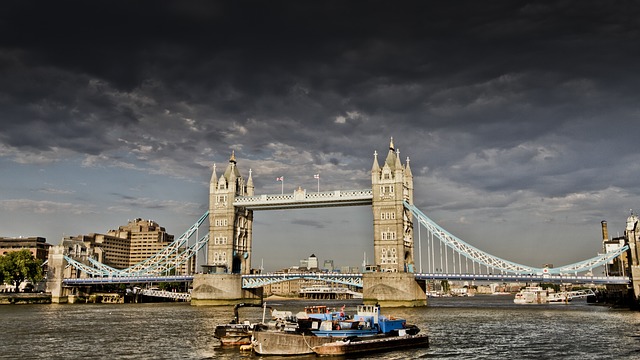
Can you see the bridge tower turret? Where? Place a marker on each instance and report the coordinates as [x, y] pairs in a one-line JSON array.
[[229, 227], [392, 184], [632, 237]]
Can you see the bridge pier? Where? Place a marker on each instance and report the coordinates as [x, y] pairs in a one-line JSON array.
[[55, 274], [389, 289], [222, 289]]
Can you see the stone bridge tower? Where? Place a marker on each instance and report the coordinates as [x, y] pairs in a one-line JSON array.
[[230, 236], [632, 238], [393, 284], [230, 228], [392, 184]]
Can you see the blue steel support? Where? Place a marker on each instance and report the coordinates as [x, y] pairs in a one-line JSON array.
[[497, 263]]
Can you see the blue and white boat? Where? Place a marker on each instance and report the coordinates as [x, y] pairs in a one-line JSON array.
[[316, 327], [366, 322]]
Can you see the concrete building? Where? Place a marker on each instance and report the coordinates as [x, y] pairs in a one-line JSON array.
[[310, 263], [110, 250], [38, 246], [129, 244], [328, 266], [146, 238]]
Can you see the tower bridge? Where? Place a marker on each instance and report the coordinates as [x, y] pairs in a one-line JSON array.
[[399, 281]]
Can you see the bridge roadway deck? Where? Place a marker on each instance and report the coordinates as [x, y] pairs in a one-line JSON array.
[[259, 280], [126, 280], [537, 278]]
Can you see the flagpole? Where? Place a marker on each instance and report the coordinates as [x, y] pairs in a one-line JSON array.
[[318, 182], [281, 179]]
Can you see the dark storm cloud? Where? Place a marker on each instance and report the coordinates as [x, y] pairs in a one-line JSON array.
[[459, 81]]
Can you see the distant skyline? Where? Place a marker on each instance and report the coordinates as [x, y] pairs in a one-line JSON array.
[[520, 118]]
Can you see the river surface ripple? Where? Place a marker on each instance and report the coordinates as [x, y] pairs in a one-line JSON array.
[[480, 327]]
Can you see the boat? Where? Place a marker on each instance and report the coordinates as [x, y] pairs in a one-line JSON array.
[[234, 334], [317, 327], [538, 295], [366, 345], [531, 295], [238, 334], [366, 322]]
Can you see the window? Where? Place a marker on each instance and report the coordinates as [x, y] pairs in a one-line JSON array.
[[388, 235], [221, 222], [388, 256], [388, 215], [220, 258], [220, 240]]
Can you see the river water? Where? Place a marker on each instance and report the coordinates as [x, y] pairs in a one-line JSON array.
[[480, 327]]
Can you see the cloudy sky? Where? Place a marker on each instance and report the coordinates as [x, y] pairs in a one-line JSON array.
[[520, 117]]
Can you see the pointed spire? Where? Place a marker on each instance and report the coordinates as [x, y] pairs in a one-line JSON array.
[[250, 187], [407, 169], [391, 156], [233, 156], [214, 178], [376, 166]]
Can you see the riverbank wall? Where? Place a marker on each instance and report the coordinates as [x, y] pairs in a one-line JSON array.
[[24, 298]]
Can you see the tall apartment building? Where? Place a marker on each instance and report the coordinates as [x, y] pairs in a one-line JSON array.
[[146, 238], [130, 244]]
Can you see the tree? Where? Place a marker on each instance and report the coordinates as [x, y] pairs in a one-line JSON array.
[[18, 266], [445, 286]]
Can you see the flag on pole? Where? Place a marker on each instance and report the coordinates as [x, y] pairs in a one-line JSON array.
[[281, 179], [316, 176]]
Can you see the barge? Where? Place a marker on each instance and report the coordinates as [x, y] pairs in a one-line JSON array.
[[363, 345]]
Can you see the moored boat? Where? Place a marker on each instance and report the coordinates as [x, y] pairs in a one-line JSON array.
[[318, 328], [237, 334], [366, 322], [234, 334], [366, 345]]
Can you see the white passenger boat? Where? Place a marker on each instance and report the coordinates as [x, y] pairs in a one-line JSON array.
[[538, 295]]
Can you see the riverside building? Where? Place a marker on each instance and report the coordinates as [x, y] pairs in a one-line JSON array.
[[38, 246], [129, 244]]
